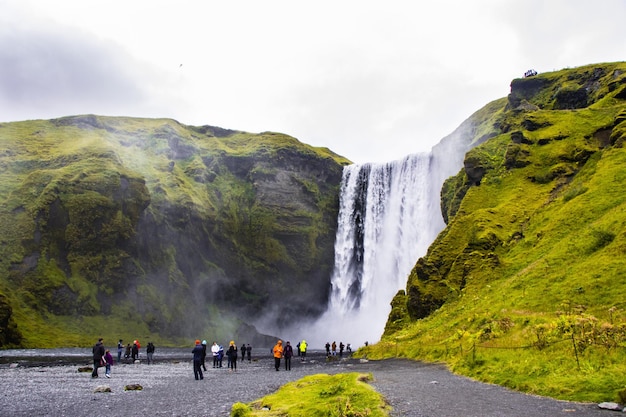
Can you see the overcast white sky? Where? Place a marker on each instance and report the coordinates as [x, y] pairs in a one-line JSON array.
[[372, 80]]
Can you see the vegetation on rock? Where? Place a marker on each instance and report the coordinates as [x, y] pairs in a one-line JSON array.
[[525, 286], [147, 228]]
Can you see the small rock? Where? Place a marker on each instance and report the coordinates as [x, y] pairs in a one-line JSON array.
[[85, 369], [102, 388], [363, 360], [133, 387], [610, 406]]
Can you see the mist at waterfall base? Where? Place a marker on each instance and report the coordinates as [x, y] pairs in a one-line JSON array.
[[389, 215]]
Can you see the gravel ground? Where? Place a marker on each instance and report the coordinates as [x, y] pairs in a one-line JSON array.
[[414, 389]]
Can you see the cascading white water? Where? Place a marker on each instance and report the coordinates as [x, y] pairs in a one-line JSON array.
[[385, 224], [388, 216]]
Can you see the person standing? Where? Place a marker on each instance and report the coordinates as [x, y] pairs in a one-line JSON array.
[[249, 352], [327, 349], [220, 355], [127, 353], [334, 347], [108, 361], [303, 347], [341, 346], [120, 349], [278, 353], [135, 351], [287, 354], [215, 350], [150, 352], [232, 356], [243, 352], [98, 355], [203, 355], [197, 361]]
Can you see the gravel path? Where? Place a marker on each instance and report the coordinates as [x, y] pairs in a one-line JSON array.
[[414, 389]]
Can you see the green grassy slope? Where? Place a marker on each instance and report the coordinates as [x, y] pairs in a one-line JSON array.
[[126, 227], [525, 287]]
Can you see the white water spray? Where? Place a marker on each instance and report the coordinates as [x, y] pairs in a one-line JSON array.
[[389, 214], [385, 224]]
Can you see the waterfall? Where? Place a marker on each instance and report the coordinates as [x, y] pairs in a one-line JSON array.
[[385, 224], [389, 214]]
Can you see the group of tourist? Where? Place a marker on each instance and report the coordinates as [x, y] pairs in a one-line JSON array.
[[347, 347], [131, 352], [217, 352], [102, 357], [279, 352]]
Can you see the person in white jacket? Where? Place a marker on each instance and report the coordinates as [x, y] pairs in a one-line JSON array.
[[215, 349]]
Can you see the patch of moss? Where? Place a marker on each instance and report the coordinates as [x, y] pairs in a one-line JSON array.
[[319, 395]]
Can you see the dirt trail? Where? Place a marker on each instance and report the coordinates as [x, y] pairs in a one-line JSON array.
[[414, 389]]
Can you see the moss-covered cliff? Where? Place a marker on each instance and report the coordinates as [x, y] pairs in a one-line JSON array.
[[147, 228], [525, 286]]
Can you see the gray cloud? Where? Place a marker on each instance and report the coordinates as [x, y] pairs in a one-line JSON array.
[[370, 80], [51, 68]]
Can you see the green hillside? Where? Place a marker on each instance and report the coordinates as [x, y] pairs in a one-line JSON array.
[[150, 229], [526, 285]]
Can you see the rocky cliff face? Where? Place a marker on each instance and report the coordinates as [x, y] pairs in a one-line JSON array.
[[183, 231], [542, 147]]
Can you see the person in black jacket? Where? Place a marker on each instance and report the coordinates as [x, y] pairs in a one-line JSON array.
[[287, 354], [197, 361], [203, 355], [232, 356], [150, 352], [98, 354]]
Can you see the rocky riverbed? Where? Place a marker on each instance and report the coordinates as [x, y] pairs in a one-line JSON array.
[[55, 387]]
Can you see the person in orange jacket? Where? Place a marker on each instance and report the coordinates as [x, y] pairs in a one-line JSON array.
[[278, 353]]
